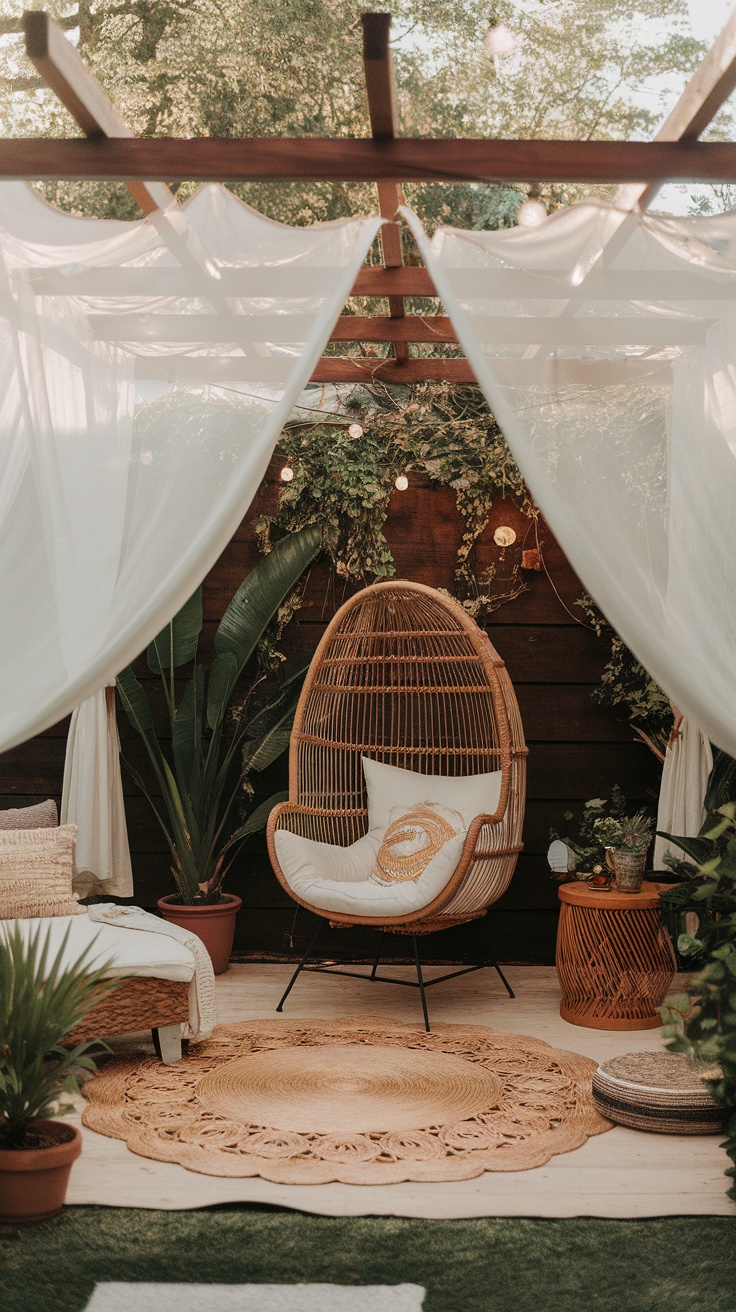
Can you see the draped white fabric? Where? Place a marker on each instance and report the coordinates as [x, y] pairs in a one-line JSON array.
[[688, 762], [146, 370], [92, 799], [606, 346]]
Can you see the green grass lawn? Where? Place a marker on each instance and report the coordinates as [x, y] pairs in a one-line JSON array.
[[675, 1264]]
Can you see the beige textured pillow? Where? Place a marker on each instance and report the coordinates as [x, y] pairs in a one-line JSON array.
[[36, 867], [43, 815], [414, 837]]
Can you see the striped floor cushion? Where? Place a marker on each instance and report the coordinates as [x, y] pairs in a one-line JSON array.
[[657, 1091]]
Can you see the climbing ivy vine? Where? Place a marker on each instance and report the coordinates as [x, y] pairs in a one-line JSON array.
[[345, 481]]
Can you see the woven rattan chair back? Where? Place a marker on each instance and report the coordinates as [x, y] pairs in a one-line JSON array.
[[405, 676]]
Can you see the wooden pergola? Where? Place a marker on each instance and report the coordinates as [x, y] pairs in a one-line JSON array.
[[110, 152]]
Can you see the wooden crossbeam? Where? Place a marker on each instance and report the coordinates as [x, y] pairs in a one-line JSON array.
[[380, 85], [63, 69], [708, 89], [302, 159]]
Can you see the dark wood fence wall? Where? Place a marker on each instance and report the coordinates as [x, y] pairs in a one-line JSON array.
[[576, 750]]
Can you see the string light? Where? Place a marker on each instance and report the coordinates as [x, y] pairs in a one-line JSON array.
[[531, 212], [355, 431], [287, 473], [500, 40], [504, 536], [401, 483]]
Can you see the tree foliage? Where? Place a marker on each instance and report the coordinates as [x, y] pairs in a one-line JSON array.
[[293, 67]]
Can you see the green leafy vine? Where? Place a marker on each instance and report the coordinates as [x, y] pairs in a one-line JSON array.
[[345, 480]]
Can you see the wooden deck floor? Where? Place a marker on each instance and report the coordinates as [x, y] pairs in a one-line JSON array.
[[623, 1173]]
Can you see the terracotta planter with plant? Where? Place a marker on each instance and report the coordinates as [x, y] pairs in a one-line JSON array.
[[199, 779], [627, 843], [40, 1002]]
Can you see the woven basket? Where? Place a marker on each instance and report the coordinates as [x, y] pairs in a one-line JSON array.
[[657, 1091], [136, 1004]]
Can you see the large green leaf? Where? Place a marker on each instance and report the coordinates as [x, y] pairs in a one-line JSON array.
[[256, 820], [721, 787], [259, 596], [222, 679], [700, 849], [277, 718], [176, 644], [272, 713], [187, 736]]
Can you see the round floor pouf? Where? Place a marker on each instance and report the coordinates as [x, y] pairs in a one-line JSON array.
[[657, 1091]]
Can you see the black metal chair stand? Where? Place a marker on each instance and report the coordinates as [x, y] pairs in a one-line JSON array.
[[420, 983]]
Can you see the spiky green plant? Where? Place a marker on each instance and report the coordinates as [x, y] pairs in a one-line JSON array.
[[41, 1001], [193, 784]]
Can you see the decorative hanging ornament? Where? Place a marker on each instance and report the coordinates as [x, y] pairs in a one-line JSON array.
[[531, 212], [401, 483], [287, 473], [355, 430]]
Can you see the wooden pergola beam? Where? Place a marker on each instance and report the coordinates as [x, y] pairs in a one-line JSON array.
[[63, 69], [380, 85], [303, 159], [706, 92]]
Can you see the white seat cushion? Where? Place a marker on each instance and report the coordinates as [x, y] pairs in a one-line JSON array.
[[349, 879], [389, 786], [132, 952]]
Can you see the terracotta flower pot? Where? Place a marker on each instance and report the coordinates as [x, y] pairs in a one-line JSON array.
[[33, 1181], [214, 923]]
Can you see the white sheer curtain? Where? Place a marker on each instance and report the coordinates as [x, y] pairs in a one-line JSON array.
[[606, 346], [146, 370]]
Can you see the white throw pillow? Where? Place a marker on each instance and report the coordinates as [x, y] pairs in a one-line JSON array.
[[343, 878], [389, 786]]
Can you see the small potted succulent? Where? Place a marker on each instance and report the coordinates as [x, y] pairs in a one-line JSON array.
[[627, 841], [41, 1001]]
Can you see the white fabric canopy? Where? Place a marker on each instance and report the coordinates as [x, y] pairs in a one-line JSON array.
[[606, 346], [92, 799], [688, 762], [146, 370]]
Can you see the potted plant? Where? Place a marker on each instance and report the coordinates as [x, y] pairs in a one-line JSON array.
[[40, 1002], [203, 767], [627, 841]]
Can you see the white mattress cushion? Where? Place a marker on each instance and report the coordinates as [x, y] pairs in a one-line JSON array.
[[131, 952], [349, 879], [389, 786]]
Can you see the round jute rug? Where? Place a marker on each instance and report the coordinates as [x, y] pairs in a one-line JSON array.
[[362, 1101]]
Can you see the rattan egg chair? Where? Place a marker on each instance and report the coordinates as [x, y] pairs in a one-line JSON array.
[[405, 676]]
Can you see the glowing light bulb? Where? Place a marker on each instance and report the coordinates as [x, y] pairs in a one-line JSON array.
[[531, 213], [287, 473], [504, 536], [401, 483], [500, 40], [146, 457], [355, 430]]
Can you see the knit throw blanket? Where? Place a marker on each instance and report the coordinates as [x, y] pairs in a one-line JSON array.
[[202, 999]]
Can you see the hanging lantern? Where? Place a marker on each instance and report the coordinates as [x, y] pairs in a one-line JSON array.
[[287, 473], [401, 483]]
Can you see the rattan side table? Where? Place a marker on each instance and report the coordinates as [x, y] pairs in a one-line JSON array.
[[614, 958]]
